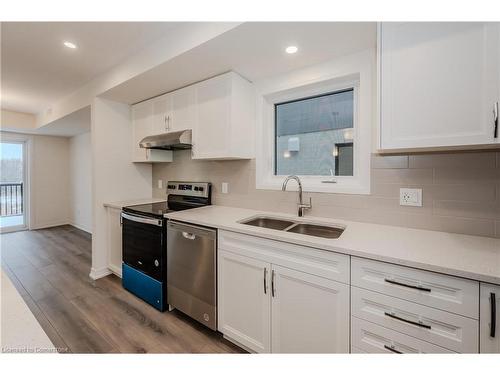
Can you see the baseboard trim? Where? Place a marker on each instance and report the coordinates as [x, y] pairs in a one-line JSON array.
[[116, 270], [49, 225], [80, 227], [99, 273]]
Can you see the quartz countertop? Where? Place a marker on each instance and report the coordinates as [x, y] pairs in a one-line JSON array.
[[472, 257], [132, 202]]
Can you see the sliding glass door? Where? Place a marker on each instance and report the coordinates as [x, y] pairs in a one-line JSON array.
[[12, 186]]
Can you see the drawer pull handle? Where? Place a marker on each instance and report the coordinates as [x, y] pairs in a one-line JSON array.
[[393, 316], [272, 283], [407, 286], [493, 306], [392, 349], [265, 280]]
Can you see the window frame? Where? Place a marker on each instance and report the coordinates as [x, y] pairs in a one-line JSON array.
[[357, 76]]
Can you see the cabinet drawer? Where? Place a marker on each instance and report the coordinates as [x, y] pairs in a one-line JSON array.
[[368, 337], [451, 331], [432, 289], [321, 263]]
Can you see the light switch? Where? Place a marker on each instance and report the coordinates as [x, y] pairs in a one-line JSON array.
[[160, 184], [225, 188]]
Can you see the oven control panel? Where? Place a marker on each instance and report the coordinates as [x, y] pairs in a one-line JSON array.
[[194, 189]]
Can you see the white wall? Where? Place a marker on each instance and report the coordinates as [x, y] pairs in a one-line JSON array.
[[49, 181], [80, 183], [114, 176]]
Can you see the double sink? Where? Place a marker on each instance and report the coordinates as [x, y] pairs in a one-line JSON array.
[[310, 229]]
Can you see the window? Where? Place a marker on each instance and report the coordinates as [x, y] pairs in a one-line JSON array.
[[314, 135], [317, 123]]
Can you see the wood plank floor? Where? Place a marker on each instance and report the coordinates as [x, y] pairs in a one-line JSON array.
[[50, 268]]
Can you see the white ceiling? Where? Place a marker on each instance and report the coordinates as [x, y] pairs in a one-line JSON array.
[[255, 50], [37, 70]]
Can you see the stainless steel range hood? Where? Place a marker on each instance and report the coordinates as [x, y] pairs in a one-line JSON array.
[[180, 140]]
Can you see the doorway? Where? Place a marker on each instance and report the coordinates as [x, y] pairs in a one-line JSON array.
[[13, 186]]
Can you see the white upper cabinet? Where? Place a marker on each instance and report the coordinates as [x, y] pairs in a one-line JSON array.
[[219, 111], [183, 109], [142, 126], [438, 83], [174, 111], [225, 123]]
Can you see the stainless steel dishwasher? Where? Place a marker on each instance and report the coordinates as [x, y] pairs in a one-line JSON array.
[[191, 271]]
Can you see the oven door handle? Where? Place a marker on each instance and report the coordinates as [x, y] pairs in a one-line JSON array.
[[143, 220]]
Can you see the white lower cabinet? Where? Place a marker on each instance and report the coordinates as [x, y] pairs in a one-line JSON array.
[[454, 332], [489, 331], [269, 308], [243, 300], [368, 337], [309, 314]]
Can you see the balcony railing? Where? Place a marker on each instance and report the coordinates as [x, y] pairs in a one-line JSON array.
[[11, 199]]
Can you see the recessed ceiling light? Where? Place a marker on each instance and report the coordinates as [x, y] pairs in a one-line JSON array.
[[69, 45], [291, 49]]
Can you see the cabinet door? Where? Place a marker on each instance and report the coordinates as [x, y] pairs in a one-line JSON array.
[[114, 240], [183, 114], [212, 132], [244, 300], [162, 114], [310, 314], [489, 331], [438, 84], [142, 125]]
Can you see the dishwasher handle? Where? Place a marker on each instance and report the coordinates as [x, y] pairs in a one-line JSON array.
[[188, 236], [189, 231]]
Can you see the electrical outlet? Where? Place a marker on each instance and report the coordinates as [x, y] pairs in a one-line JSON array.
[[225, 188], [410, 197]]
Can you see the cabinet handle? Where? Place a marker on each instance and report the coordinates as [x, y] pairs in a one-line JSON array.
[[392, 349], [407, 285], [393, 316], [272, 283], [168, 122], [493, 307], [165, 122], [495, 120], [265, 280]]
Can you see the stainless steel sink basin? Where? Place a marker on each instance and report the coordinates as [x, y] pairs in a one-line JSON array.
[[300, 227], [316, 230], [268, 222]]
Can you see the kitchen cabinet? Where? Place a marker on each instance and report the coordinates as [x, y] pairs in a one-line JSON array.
[[225, 118], [243, 300], [114, 240], [143, 126], [439, 84], [266, 306], [309, 314], [174, 111], [489, 331]]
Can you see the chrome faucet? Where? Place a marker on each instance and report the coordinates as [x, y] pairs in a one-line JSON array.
[[301, 205]]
